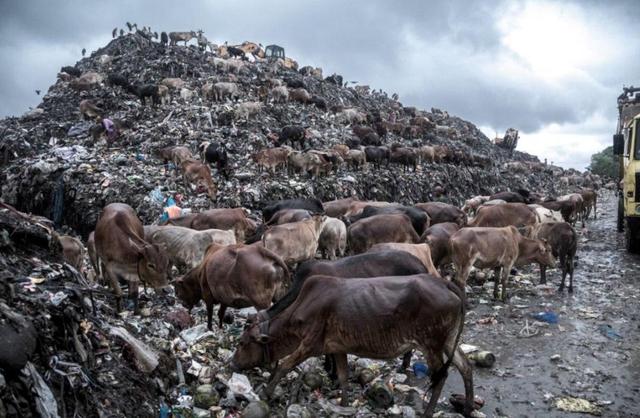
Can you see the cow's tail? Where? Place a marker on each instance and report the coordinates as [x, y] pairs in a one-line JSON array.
[[442, 372]]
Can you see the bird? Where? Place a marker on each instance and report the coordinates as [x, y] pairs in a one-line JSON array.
[[121, 32], [84, 51], [38, 92], [114, 32], [129, 26]]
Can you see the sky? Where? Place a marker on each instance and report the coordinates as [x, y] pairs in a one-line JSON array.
[[551, 69]]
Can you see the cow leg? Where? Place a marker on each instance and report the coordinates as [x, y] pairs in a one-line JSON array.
[[505, 278], [570, 267], [221, 311], [406, 361], [543, 274], [462, 273], [133, 295], [435, 363], [209, 314], [330, 366], [343, 375], [496, 281], [464, 367], [112, 279], [563, 267], [302, 353]]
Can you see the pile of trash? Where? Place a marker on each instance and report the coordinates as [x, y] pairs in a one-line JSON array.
[[82, 358]]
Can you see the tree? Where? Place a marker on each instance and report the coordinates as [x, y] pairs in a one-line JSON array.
[[604, 164]]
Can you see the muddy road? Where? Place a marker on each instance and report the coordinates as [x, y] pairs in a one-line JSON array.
[[539, 365]]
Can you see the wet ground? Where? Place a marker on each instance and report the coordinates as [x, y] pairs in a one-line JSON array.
[[572, 358]]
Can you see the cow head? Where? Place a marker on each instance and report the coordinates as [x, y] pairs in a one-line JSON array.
[[153, 265], [544, 253], [188, 289], [252, 349]]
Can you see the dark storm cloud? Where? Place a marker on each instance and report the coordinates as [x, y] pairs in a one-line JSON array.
[[433, 53]]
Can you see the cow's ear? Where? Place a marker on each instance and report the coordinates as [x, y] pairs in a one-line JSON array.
[[135, 245]]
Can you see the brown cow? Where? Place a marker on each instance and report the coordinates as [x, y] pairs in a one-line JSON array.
[[198, 174], [438, 236], [564, 242], [578, 201], [567, 209], [72, 251], [443, 212], [285, 216], [516, 214], [379, 317], [339, 207], [421, 251], [176, 154], [124, 254], [590, 200], [497, 248], [377, 229], [222, 218], [356, 207], [236, 276], [272, 158], [295, 242]]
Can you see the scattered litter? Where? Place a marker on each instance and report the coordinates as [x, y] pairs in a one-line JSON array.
[[609, 332], [580, 405]]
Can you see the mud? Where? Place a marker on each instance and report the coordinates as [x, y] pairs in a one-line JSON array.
[[525, 380]]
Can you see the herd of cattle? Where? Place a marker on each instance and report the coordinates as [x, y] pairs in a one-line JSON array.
[[388, 293]]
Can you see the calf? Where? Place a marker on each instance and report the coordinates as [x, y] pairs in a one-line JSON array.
[[215, 153], [420, 251], [279, 94], [379, 317], [236, 276], [516, 214], [590, 200], [564, 243], [294, 134], [198, 174], [185, 246], [443, 212], [333, 238], [294, 242], [145, 91], [438, 237], [124, 254], [72, 251], [381, 228], [312, 205], [497, 248], [272, 158], [176, 154]]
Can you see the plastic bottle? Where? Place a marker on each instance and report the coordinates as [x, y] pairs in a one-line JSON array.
[[421, 370]]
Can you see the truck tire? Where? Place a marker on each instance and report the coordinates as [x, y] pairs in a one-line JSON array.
[[620, 225], [631, 239]]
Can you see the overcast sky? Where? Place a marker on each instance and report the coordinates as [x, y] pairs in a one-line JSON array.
[[551, 69]]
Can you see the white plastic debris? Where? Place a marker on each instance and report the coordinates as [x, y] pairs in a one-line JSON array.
[[239, 384]]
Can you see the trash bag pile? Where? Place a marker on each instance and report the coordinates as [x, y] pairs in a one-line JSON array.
[[58, 169]]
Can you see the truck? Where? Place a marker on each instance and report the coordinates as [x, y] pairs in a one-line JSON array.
[[626, 149]]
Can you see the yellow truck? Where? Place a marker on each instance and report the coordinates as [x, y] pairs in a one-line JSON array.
[[626, 147]]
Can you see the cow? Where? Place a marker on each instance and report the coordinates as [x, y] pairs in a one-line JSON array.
[[272, 158], [567, 209], [471, 205], [124, 254], [377, 155], [339, 207], [311, 204], [300, 95], [72, 251], [186, 246], [222, 218], [236, 276], [564, 243], [357, 158], [546, 215], [333, 238], [509, 197], [215, 153], [427, 154], [516, 214], [577, 200], [176, 154], [357, 206], [198, 174], [380, 317], [443, 212], [306, 162], [223, 90], [89, 110], [176, 37], [293, 134], [419, 219], [295, 242], [405, 156], [284, 216], [438, 238], [394, 227], [497, 248], [421, 251], [590, 200]]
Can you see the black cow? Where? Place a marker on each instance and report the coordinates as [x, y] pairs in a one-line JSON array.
[[216, 153], [377, 155]]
